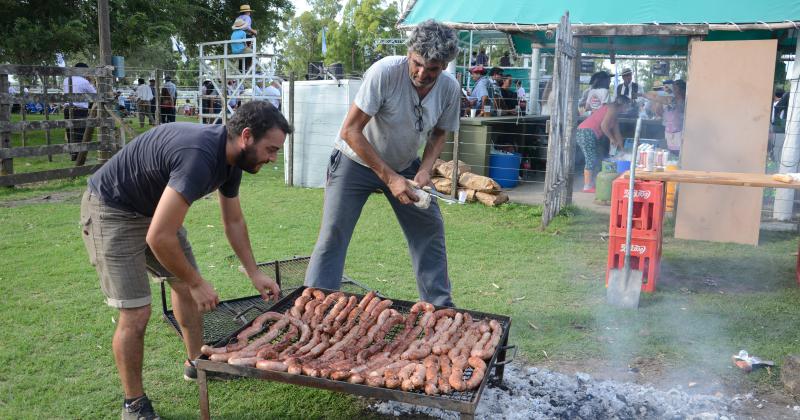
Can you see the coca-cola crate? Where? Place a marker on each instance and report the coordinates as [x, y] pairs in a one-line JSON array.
[[645, 257], [648, 209]]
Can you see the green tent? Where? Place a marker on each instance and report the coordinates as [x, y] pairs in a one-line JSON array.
[[528, 20]]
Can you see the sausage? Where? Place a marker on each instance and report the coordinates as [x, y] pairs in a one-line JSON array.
[[431, 364], [272, 365], [489, 347], [342, 315], [366, 299], [457, 374], [418, 377], [478, 371], [243, 361], [444, 378], [300, 305], [327, 322], [405, 376]]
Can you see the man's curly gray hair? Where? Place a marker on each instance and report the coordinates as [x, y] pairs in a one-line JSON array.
[[433, 41]]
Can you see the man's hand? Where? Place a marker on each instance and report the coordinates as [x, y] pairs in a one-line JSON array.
[[205, 296], [265, 285], [401, 189], [423, 178]]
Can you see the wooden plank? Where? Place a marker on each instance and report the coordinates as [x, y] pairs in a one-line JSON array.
[[738, 179], [53, 149], [52, 97], [725, 130], [15, 127], [30, 71], [27, 178]]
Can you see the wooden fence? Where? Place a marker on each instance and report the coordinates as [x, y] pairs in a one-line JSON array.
[[100, 116]]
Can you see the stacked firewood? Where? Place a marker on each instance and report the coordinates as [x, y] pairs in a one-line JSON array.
[[476, 187], [368, 342]]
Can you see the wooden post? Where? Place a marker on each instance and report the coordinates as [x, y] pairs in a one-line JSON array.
[[290, 145], [571, 126], [104, 83], [23, 113], [6, 165], [455, 174], [45, 79], [159, 74]]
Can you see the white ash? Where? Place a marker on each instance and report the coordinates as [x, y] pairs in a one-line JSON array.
[[532, 393]]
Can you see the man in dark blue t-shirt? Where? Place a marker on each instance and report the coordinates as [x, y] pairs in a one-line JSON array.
[[132, 219]]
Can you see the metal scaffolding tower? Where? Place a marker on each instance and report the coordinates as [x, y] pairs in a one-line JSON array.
[[220, 66]]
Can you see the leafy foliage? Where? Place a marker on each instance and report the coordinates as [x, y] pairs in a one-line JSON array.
[[351, 41], [141, 30]]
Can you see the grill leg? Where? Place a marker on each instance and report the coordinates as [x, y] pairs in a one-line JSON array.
[[499, 369], [467, 416], [202, 386]]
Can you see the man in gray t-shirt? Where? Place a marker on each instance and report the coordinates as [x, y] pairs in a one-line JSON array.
[[404, 103], [131, 220]]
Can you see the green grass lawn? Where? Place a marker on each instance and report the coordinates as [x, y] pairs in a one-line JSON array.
[[712, 300]]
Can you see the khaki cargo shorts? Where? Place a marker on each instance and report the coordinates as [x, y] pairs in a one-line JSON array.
[[115, 242]]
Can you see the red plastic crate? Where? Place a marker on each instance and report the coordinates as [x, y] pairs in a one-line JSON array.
[[648, 209], [645, 256]]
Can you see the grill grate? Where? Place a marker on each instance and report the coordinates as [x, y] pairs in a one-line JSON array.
[[404, 307], [232, 315]]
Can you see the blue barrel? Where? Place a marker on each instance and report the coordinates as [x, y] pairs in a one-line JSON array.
[[504, 168], [118, 62], [623, 166]]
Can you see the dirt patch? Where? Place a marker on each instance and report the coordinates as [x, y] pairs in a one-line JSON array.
[[55, 197]]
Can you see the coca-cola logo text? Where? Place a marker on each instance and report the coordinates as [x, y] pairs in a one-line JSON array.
[[635, 249], [643, 194]]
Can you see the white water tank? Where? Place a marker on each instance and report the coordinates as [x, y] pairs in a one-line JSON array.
[[319, 109]]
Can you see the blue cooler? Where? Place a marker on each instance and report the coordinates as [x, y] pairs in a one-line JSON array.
[[623, 166], [504, 168]]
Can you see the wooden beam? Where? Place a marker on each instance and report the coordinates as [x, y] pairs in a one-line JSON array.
[[30, 71], [29, 177], [662, 29], [639, 30], [15, 127], [53, 149]]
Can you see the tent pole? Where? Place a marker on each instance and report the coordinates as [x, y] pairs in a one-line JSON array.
[[469, 79], [784, 197], [533, 101]]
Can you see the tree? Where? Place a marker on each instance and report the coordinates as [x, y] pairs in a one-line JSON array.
[[301, 44], [34, 31]]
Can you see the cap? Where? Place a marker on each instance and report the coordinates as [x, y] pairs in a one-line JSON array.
[[477, 69]]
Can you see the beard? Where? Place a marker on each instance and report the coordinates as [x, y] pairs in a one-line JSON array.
[[248, 161]]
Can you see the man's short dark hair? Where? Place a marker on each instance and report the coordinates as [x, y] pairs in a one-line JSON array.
[[81, 65], [495, 70], [141, 81], [260, 117]]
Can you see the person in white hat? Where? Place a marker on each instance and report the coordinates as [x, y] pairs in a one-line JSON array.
[[628, 87], [244, 14]]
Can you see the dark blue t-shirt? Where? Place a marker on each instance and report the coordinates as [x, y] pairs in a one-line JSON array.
[[188, 157]]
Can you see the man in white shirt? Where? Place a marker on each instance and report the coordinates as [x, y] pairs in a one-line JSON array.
[[404, 103], [273, 93], [77, 110], [143, 97]]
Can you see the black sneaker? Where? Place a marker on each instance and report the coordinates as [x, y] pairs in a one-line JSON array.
[[190, 373], [140, 409]]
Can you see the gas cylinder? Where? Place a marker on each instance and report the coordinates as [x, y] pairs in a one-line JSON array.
[[604, 180]]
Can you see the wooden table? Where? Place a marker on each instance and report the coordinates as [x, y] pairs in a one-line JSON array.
[[719, 178]]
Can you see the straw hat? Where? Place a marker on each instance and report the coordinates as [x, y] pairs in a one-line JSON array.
[[244, 8], [239, 24], [626, 71]]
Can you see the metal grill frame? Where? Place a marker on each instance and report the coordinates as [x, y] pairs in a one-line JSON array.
[[464, 402], [231, 315]]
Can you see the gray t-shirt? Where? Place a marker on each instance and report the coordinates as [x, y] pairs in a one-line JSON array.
[[188, 157], [388, 96]]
